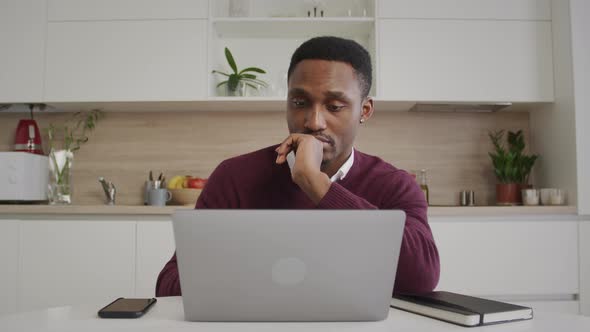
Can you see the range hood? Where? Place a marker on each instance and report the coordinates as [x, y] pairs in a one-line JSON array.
[[459, 107]]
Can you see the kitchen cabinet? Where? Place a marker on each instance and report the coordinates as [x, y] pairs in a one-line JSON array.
[[87, 259], [465, 60], [9, 264], [75, 262], [466, 9], [519, 257], [155, 246], [126, 60], [585, 266], [22, 36], [87, 10]]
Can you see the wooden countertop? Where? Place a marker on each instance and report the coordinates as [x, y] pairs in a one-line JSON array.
[[434, 211]]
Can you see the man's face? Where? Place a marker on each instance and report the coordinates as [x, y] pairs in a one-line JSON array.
[[325, 100]]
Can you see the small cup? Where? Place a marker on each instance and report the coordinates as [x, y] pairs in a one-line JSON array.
[[546, 195], [159, 197], [557, 197], [530, 197]]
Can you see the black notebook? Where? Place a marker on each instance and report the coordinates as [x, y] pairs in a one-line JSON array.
[[461, 309]]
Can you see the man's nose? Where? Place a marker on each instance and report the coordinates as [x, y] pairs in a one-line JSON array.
[[314, 119]]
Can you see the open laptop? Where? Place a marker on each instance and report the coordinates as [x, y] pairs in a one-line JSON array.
[[287, 265]]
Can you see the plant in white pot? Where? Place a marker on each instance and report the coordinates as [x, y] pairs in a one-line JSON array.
[[64, 140], [238, 80]]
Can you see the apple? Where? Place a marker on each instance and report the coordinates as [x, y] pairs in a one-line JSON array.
[[185, 181], [196, 183]]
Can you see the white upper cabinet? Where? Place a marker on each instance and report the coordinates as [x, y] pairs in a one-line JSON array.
[[466, 9], [465, 60], [88, 10], [126, 60], [22, 40]]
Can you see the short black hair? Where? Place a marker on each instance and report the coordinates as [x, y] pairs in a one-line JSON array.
[[337, 49]]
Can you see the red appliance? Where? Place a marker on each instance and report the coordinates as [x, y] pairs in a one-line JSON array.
[[28, 137]]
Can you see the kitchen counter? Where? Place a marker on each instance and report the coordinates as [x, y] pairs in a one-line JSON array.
[[133, 210]]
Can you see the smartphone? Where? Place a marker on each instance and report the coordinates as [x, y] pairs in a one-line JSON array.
[[126, 308]]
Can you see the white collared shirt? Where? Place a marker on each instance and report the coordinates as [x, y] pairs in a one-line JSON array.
[[338, 176]]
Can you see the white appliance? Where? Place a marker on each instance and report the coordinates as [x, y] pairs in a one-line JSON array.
[[23, 177]]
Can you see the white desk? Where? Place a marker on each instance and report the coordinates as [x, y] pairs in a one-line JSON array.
[[167, 315]]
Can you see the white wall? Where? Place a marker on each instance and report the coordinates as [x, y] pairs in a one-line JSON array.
[[551, 125], [580, 25]]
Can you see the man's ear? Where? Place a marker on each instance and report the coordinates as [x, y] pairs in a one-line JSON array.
[[367, 109]]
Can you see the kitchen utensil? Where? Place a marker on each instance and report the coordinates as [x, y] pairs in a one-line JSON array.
[[159, 197], [23, 177], [530, 197], [557, 197], [467, 198], [546, 195], [28, 137], [149, 185], [109, 190], [471, 198], [463, 198]]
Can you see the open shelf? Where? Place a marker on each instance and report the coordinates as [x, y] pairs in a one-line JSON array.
[[237, 104], [293, 26]]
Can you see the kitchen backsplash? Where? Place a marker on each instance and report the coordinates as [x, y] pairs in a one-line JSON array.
[[453, 147]]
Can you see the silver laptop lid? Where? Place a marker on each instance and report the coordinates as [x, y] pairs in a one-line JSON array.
[[287, 265]]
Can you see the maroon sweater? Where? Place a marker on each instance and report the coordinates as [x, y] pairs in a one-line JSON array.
[[255, 181]]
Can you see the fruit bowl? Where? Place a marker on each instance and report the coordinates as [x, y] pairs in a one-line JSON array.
[[185, 196]]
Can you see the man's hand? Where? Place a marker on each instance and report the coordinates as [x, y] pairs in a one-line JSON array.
[[306, 173]]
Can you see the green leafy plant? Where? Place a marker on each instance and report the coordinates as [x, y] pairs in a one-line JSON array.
[[510, 163], [237, 76], [73, 133]]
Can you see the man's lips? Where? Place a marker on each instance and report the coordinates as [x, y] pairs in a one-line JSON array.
[[324, 139]]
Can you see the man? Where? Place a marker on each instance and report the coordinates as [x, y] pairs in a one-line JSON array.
[[316, 166]]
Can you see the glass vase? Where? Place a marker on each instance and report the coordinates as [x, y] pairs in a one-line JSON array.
[[239, 91], [59, 188]]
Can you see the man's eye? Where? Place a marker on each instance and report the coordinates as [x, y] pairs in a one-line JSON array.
[[334, 108], [298, 102]]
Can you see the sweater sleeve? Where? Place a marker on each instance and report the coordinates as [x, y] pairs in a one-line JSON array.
[[418, 267], [168, 283], [213, 196]]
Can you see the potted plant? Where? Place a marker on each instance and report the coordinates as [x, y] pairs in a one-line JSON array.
[[72, 134], [237, 81], [511, 166]]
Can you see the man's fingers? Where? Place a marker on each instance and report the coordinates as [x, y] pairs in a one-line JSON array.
[[289, 144], [283, 149]]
